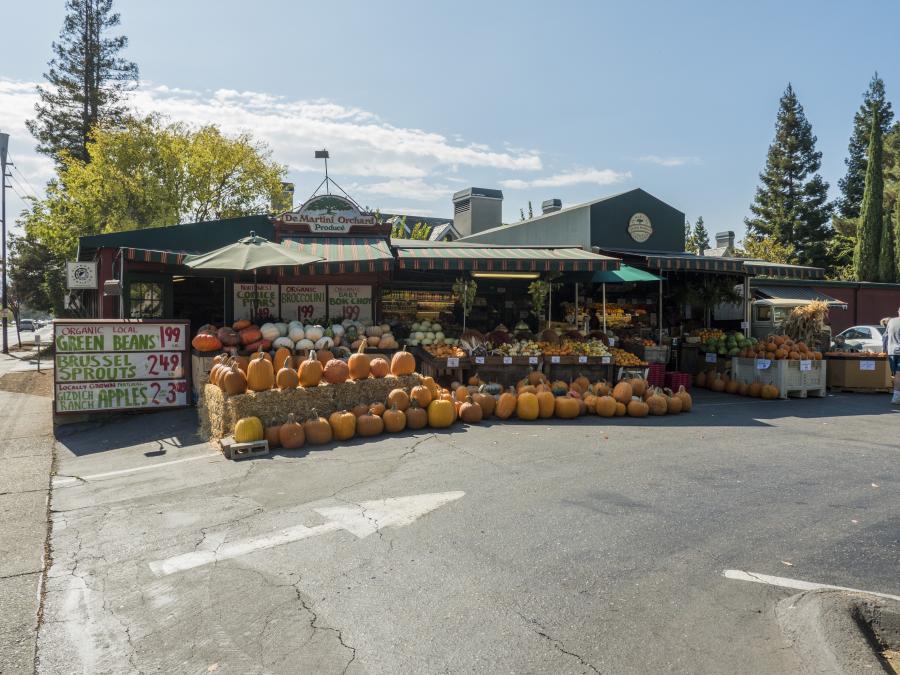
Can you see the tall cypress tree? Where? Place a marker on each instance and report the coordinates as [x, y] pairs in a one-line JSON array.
[[871, 220], [887, 256], [897, 242], [791, 204], [87, 78], [853, 183]]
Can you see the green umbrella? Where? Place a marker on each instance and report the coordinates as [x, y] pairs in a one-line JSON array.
[[250, 253]]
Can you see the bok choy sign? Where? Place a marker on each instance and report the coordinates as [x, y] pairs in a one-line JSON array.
[[109, 365]]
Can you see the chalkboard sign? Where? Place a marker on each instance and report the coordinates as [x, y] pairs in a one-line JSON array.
[[110, 365]]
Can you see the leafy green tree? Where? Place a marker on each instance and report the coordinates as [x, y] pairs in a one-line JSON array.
[[897, 240], [687, 235], [871, 219], [38, 274], [146, 174], [791, 204], [87, 81], [766, 248], [853, 183], [420, 231], [887, 256]]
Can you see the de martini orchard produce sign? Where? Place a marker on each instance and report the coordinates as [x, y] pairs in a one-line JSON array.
[[111, 365]]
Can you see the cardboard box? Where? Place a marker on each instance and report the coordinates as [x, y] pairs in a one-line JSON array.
[[859, 374]]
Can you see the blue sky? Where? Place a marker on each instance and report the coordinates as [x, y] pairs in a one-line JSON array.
[[566, 99]]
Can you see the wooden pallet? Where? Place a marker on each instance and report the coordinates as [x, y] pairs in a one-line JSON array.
[[236, 451], [804, 393], [862, 390]]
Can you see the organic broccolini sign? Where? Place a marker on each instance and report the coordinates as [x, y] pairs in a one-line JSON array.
[[103, 365]]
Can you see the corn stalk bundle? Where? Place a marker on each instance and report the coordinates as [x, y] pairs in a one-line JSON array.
[[806, 323]]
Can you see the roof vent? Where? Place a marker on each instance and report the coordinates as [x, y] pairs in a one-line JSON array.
[[725, 239], [551, 205]]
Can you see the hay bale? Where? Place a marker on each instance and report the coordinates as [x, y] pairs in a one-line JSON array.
[[219, 413]]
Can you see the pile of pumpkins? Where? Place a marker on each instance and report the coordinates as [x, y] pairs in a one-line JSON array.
[[236, 375], [246, 337], [430, 405], [780, 347], [725, 384]]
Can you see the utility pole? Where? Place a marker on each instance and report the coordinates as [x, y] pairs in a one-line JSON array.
[[4, 147]]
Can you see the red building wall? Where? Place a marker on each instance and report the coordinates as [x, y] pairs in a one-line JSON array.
[[865, 304]]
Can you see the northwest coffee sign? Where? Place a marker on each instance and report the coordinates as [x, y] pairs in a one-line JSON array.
[[107, 365], [329, 214]]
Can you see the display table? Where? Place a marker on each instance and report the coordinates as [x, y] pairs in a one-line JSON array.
[[792, 378], [852, 374]]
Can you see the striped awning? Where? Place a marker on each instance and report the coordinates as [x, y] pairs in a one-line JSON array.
[[344, 256], [697, 263], [501, 259], [155, 256], [761, 268]]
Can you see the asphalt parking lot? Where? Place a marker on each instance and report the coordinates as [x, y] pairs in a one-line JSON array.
[[561, 547]]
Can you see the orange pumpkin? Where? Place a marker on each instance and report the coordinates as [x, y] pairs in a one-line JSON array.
[[527, 407], [398, 399], [241, 324], [506, 405], [358, 364], [249, 335], [623, 392], [377, 408], [637, 408], [403, 363], [546, 404], [272, 436], [369, 424], [605, 406], [359, 409], [566, 407], [416, 416], [343, 424], [441, 414], [287, 378], [462, 394], [260, 374], [394, 420], [422, 395], [470, 413], [487, 403], [204, 342], [310, 371], [317, 430], [324, 356], [291, 434], [282, 358], [620, 409], [379, 367], [233, 382], [336, 371], [686, 401]]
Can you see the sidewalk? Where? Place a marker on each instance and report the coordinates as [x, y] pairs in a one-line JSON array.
[[26, 453]]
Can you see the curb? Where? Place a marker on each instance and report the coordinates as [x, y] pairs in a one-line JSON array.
[[840, 632]]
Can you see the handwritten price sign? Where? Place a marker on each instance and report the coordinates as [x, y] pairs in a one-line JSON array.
[[304, 303]]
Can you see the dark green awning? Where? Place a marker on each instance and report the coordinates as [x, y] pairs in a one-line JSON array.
[[344, 255], [500, 258], [624, 275]]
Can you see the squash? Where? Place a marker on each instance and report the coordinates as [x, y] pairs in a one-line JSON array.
[[318, 430], [422, 395], [637, 408], [582, 383], [620, 409], [260, 374], [656, 403], [314, 333], [732, 387], [486, 401], [755, 389], [377, 408], [240, 324], [369, 424], [461, 394], [526, 389], [249, 335], [336, 371], [601, 388], [358, 364], [394, 420], [686, 401], [242, 362], [527, 407], [673, 403], [248, 430], [743, 389], [567, 407], [399, 399], [428, 381], [605, 406], [470, 413], [403, 363], [717, 383], [228, 336], [282, 358], [769, 392], [204, 342], [310, 371], [324, 355], [638, 386], [506, 405], [700, 379], [441, 414], [360, 409], [343, 425], [546, 404], [590, 402], [271, 435], [559, 388], [291, 434], [535, 377], [233, 382], [416, 416], [379, 367], [623, 392], [287, 378]]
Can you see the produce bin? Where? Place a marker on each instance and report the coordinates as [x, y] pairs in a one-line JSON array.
[[784, 374], [860, 375]]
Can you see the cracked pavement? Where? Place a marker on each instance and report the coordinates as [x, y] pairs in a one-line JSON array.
[[579, 547]]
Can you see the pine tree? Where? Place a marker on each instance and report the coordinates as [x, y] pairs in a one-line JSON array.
[[700, 237], [871, 219], [897, 242], [853, 183], [687, 236], [791, 204], [88, 80], [887, 257]]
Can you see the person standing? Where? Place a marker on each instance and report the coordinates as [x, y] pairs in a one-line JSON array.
[[892, 347]]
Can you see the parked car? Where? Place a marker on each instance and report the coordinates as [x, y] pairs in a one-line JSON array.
[[860, 339], [26, 325]]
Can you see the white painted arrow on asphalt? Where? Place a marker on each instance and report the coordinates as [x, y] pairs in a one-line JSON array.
[[360, 520]]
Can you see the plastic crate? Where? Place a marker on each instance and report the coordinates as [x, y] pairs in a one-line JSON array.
[[677, 379], [785, 375], [656, 374]]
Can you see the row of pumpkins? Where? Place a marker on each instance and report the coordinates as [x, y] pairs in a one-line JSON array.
[[236, 375], [780, 347], [246, 336], [724, 383], [432, 406]]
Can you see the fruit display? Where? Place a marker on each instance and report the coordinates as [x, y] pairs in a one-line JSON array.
[[731, 344], [708, 334], [625, 358], [616, 317], [779, 347], [444, 351], [569, 347], [518, 348], [426, 333]]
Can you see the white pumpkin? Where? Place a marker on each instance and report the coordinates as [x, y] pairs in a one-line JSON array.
[[282, 328], [438, 335], [385, 328], [283, 342], [425, 326], [315, 333], [436, 327], [419, 335], [296, 333], [324, 343], [305, 345], [429, 335], [269, 331], [416, 327], [373, 340]]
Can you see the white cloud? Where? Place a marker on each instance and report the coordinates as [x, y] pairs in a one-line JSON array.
[[590, 176], [669, 161], [406, 188]]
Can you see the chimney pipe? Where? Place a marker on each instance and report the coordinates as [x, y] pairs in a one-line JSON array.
[[551, 205]]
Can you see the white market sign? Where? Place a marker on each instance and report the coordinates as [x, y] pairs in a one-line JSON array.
[[266, 300], [118, 367], [81, 275], [118, 336], [640, 228], [107, 396], [329, 214], [350, 302], [303, 303]]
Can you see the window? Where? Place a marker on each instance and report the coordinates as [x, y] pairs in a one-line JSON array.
[[763, 313], [146, 300], [854, 334]]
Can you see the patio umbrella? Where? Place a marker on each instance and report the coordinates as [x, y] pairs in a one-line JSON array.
[[250, 253]]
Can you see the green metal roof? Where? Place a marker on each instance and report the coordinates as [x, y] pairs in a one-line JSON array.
[[500, 258], [625, 274], [344, 256]]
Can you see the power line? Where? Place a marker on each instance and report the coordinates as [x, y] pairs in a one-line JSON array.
[[24, 177], [24, 199]]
